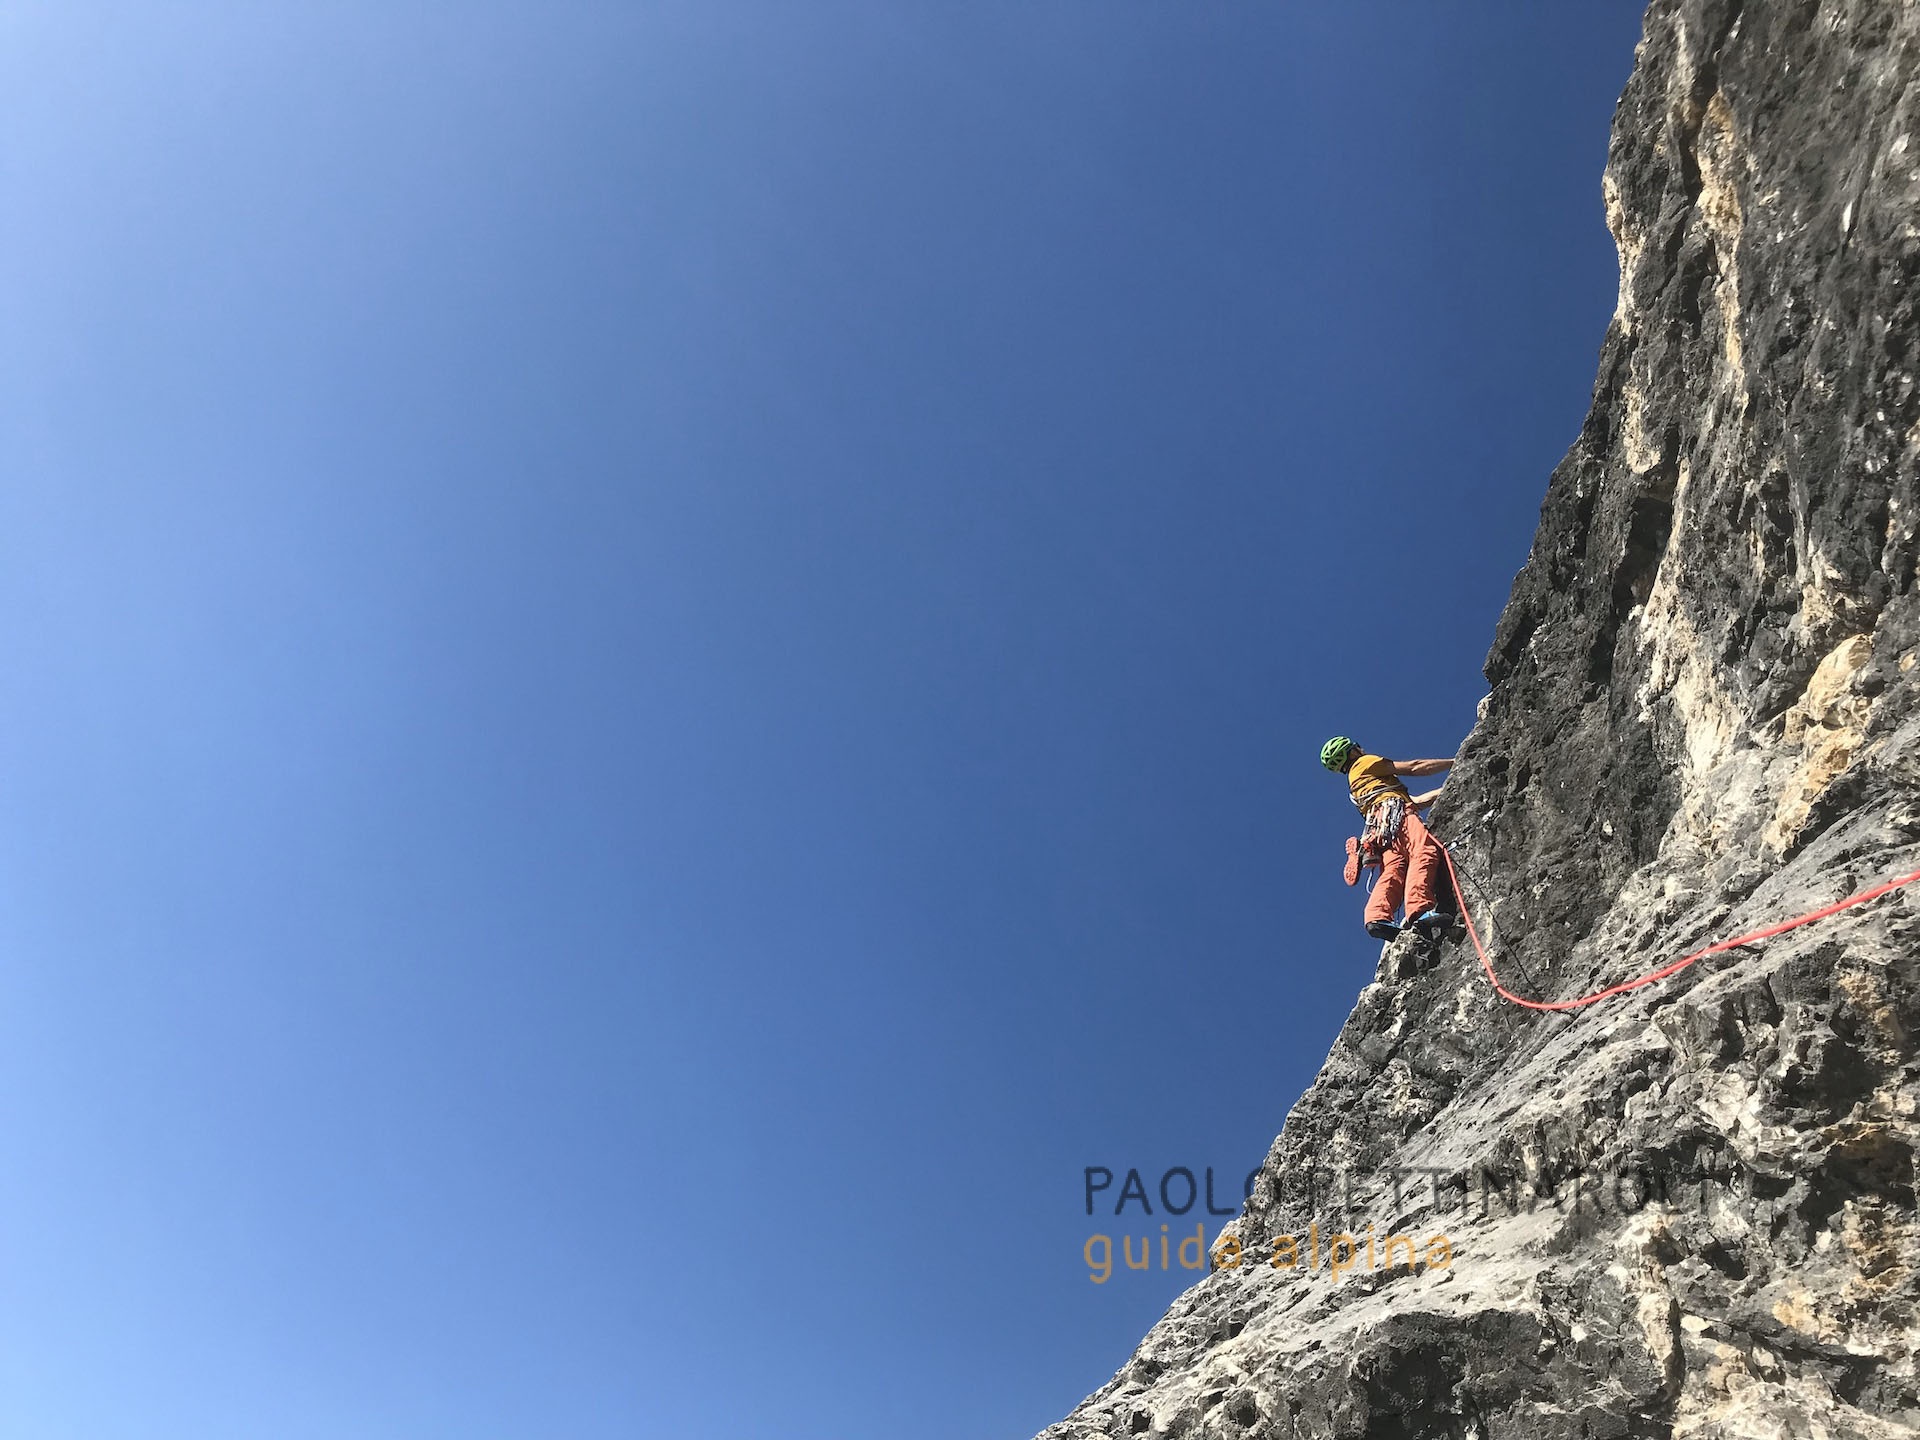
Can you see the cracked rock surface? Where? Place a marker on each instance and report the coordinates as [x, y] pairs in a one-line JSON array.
[[1690, 1210]]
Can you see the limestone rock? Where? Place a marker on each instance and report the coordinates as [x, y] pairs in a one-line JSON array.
[[1688, 1211]]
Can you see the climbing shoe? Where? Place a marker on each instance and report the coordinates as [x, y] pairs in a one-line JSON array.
[[1432, 925], [1352, 872], [1382, 929]]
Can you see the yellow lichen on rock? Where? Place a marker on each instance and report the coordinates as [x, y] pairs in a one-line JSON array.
[[1828, 723], [1719, 208]]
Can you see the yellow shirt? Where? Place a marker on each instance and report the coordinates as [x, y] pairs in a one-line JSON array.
[[1371, 779]]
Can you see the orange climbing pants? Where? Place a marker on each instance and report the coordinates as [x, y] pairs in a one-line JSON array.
[[1410, 865]]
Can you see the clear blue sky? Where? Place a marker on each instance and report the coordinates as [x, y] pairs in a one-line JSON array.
[[659, 662]]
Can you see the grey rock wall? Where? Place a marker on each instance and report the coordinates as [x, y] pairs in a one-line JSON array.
[[1689, 1211]]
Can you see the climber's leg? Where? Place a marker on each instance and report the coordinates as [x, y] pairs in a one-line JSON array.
[[1385, 898], [1423, 865]]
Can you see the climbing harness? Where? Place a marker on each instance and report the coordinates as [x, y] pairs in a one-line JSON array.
[[1677, 966], [1377, 833], [1384, 818]]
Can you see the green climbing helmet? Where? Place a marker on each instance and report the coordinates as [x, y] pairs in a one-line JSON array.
[[1338, 753]]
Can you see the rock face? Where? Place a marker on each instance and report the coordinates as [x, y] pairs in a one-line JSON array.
[[1687, 1211]]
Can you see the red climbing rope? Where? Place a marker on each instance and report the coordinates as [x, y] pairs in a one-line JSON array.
[[1677, 966]]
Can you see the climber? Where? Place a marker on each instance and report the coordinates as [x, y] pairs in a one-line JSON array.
[[1394, 838]]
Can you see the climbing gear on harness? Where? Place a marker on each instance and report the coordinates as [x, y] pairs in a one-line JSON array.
[[1383, 822], [1383, 929], [1338, 752], [1717, 948]]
